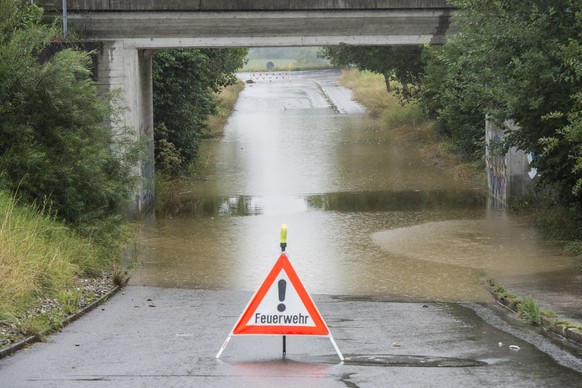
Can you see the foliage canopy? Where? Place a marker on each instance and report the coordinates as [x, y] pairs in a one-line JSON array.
[[185, 83], [395, 63], [518, 61]]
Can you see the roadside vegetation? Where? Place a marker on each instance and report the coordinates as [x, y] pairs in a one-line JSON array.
[[528, 309], [518, 62], [226, 98], [408, 123], [185, 83], [65, 177], [44, 264], [170, 187], [195, 92]]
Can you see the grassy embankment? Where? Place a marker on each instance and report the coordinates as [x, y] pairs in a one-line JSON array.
[[41, 264], [227, 98], [408, 124]]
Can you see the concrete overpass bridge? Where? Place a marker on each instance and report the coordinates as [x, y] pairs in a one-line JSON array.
[[128, 30]]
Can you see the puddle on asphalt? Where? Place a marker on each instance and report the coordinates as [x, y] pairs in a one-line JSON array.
[[400, 360], [412, 361]]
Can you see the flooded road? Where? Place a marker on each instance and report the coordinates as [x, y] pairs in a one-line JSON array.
[[368, 223], [365, 216]]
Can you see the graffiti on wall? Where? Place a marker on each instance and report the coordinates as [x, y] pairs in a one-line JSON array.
[[510, 172], [496, 161]]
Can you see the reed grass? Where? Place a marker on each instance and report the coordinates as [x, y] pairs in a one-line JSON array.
[[39, 257], [227, 98]]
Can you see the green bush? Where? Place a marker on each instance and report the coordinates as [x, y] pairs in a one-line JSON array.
[[529, 309], [54, 145], [518, 61], [185, 82]]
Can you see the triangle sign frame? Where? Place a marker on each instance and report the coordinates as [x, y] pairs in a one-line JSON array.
[[243, 327], [282, 264]]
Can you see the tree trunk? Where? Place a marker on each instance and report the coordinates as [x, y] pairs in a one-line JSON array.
[[387, 80]]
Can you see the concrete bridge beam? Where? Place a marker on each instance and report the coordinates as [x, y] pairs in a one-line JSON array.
[[240, 5], [266, 29]]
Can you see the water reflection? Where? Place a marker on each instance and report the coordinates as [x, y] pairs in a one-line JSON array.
[[365, 216], [248, 205], [406, 200]]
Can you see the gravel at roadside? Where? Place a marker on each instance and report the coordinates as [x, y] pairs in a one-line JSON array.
[[87, 290]]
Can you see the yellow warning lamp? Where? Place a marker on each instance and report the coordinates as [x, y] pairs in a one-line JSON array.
[[283, 237]]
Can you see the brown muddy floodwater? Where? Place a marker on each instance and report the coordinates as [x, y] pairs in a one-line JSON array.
[[365, 216]]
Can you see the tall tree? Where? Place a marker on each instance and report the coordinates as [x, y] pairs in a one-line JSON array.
[[401, 63], [185, 81], [513, 60]]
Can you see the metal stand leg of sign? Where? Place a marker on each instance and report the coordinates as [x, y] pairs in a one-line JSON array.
[[224, 345], [340, 355], [337, 350], [284, 346]]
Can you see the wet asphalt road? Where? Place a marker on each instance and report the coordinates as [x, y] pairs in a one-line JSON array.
[[151, 337], [168, 337]]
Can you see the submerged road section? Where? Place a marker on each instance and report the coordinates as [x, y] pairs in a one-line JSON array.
[[148, 337], [366, 216]]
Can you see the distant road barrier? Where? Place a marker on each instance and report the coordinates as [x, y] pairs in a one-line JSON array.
[[270, 76]]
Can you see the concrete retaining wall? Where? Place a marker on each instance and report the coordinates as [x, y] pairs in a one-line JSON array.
[[508, 174], [239, 5]]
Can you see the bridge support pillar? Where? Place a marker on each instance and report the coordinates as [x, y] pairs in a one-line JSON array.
[[127, 72]]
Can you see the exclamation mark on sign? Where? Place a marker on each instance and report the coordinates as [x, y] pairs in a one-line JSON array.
[[282, 287]]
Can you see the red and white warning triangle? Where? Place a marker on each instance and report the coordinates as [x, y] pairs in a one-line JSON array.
[[281, 306]]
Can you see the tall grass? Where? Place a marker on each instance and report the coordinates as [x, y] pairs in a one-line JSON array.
[[407, 123], [226, 100], [529, 309], [369, 89], [39, 257]]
